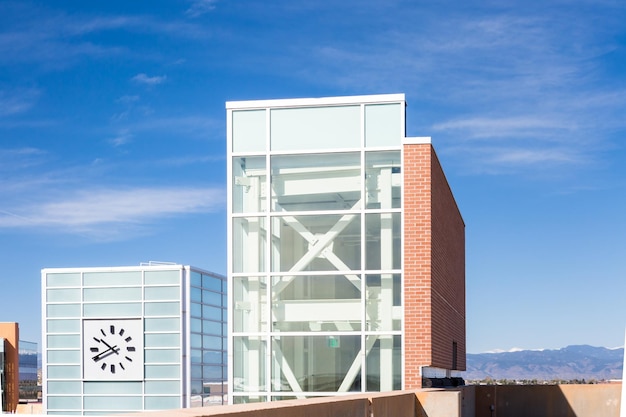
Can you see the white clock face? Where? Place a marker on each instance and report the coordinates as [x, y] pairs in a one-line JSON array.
[[113, 350]]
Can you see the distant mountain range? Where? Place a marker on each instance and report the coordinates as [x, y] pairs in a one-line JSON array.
[[569, 363]]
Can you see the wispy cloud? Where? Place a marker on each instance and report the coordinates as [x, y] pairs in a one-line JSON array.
[[17, 101], [94, 211], [123, 137], [200, 7], [145, 79]]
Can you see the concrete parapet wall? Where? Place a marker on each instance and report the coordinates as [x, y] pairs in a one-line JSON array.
[[597, 400]]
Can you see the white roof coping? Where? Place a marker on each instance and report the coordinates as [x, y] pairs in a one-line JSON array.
[[321, 101], [418, 140]]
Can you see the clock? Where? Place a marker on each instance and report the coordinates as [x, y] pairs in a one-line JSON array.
[[113, 350]]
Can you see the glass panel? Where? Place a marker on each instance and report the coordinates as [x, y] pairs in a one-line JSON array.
[[318, 363], [383, 241], [249, 184], [196, 356], [210, 297], [63, 341], [212, 356], [63, 372], [162, 293], [210, 282], [112, 294], [196, 294], [196, 309], [196, 387], [63, 326], [163, 371], [64, 356], [119, 403], [162, 325], [161, 277], [250, 300], [315, 128], [112, 279], [196, 340], [212, 373], [196, 372], [162, 403], [316, 243], [249, 130], [114, 387], [384, 363], [112, 310], [383, 179], [212, 342], [162, 309], [383, 125], [316, 182], [316, 303], [196, 279], [249, 364], [63, 310], [64, 403], [212, 327], [64, 387], [162, 387], [63, 280], [162, 340], [63, 295], [162, 356], [249, 237], [245, 399], [383, 305], [196, 325], [211, 312]]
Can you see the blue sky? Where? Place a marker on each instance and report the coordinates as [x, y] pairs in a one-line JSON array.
[[112, 138]]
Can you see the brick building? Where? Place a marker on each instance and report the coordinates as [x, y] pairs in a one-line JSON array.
[[346, 251]]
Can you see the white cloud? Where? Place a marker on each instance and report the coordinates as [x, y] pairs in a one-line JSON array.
[[16, 102], [95, 211], [145, 79], [123, 137], [200, 7]]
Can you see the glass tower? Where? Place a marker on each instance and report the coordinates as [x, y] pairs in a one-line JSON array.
[[315, 246]]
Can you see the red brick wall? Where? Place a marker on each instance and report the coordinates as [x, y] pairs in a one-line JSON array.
[[434, 267]]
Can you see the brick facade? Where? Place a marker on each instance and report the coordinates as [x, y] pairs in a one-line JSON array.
[[434, 268]]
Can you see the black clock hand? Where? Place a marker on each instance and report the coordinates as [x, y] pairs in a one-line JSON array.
[[111, 350]]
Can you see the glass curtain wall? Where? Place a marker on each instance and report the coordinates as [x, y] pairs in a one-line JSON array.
[[315, 268]]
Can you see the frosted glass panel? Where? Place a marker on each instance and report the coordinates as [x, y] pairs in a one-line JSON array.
[[383, 241], [117, 402], [63, 326], [114, 387], [162, 309], [112, 279], [162, 325], [383, 302], [162, 356], [162, 387], [250, 301], [63, 295], [162, 340], [315, 128], [249, 237], [383, 179], [384, 363], [112, 310], [383, 125], [316, 182], [162, 293], [65, 372], [64, 403], [112, 294], [162, 403], [63, 280], [161, 277], [163, 371], [64, 356], [63, 310], [249, 364], [249, 184], [63, 341], [64, 387], [249, 130]]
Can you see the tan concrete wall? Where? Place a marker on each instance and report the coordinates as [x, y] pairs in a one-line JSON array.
[[10, 331], [598, 400]]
